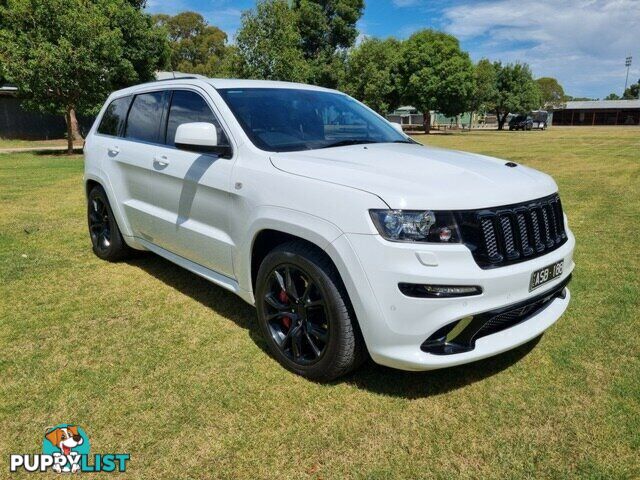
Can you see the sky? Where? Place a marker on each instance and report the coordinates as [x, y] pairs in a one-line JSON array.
[[582, 43]]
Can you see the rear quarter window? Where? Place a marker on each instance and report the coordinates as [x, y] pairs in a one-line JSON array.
[[145, 117], [114, 117]]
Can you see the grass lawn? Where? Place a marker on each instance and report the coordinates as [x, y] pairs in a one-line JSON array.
[[153, 361], [6, 143]]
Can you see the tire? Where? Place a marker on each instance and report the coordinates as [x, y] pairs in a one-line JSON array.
[[106, 239], [305, 314]]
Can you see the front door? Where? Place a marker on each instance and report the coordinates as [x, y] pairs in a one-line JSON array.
[[191, 191]]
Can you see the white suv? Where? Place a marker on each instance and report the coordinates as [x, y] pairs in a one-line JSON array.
[[347, 236]]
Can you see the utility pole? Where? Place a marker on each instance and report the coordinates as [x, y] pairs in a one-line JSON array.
[[627, 63]]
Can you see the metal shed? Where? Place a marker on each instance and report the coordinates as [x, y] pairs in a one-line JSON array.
[[599, 112]]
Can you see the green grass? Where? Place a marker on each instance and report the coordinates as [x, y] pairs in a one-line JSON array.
[[153, 361], [6, 143]]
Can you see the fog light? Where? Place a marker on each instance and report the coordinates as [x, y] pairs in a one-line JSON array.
[[438, 291]]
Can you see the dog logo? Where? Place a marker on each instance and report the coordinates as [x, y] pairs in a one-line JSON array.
[[65, 449], [69, 442]]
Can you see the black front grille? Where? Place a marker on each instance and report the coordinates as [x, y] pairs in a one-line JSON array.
[[514, 233]]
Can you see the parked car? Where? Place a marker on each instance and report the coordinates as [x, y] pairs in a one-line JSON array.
[[540, 119], [350, 238], [521, 122]]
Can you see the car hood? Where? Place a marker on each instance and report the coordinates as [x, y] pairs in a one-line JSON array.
[[408, 176]]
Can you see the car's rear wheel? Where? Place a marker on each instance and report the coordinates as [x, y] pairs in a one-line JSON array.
[[106, 239], [305, 314]]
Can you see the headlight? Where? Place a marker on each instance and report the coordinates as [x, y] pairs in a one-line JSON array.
[[416, 225]]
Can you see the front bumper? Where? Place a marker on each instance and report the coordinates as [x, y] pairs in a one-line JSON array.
[[395, 326]]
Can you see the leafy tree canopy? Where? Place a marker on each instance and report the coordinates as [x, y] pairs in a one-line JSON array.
[[327, 28], [612, 96], [516, 91], [66, 56], [327, 25], [569, 98], [484, 86], [437, 74], [373, 74], [632, 92], [268, 43], [551, 93], [196, 46]]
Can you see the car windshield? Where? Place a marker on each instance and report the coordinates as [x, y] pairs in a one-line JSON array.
[[289, 120]]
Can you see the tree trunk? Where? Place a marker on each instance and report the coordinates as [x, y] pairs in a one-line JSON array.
[[471, 120], [426, 122], [73, 130], [501, 120]]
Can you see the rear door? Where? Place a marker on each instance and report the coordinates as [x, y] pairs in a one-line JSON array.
[[125, 164], [132, 158], [191, 190]]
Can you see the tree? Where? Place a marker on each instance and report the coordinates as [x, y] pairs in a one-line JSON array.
[[196, 46], [569, 98], [632, 92], [268, 43], [327, 24], [372, 74], [484, 87], [612, 96], [3, 6], [144, 47], [327, 28], [551, 93], [516, 91], [437, 74], [66, 56]]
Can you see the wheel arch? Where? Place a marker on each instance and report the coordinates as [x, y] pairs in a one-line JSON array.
[[91, 181], [271, 226], [90, 184], [266, 240]]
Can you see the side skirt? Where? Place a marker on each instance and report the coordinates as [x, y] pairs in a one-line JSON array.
[[211, 275]]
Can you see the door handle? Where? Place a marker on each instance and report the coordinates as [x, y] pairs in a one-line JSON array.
[[114, 151], [161, 161]]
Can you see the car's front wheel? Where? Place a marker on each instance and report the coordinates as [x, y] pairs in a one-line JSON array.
[[305, 315], [106, 239]]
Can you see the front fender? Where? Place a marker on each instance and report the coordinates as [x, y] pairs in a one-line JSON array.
[[314, 229]]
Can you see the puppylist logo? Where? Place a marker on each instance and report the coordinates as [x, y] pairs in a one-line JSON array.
[[65, 449]]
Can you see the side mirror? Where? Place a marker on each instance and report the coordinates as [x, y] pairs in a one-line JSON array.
[[200, 137], [397, 126]]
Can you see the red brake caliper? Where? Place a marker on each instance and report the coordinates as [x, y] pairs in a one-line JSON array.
[[284, 298]]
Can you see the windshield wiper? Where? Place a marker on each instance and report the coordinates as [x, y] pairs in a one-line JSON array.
[[344, 143], [405, 141]]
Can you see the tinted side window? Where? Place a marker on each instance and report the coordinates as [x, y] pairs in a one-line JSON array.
[[187, 107], [145, 116], [112, 122]]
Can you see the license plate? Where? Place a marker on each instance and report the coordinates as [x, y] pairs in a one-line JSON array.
[[545, 275]]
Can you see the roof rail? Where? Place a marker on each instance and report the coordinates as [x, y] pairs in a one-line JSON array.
[[176, 78], [173, 75]]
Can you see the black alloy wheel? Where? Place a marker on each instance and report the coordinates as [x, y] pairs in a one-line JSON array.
[[106, 239], [305, 314], [296, 315], [99, 225]]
